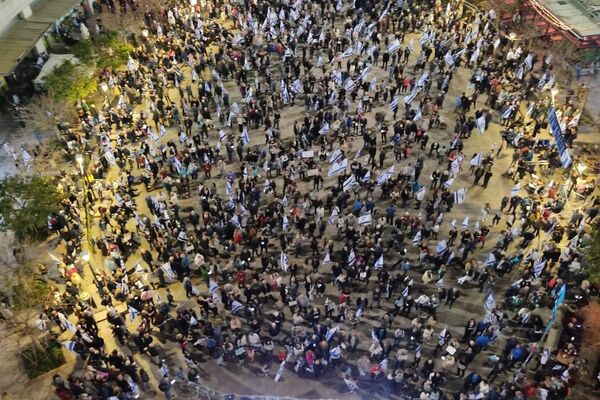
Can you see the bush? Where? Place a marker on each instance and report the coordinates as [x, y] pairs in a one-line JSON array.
[[71, 82], [39, 361], [27, 297], [84, 51]]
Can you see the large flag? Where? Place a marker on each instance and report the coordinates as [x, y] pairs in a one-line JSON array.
[[349, 183], [379, 262], [335, 156], [441, 247], [351, 257], [417, 238], [490, 301], [334, 215], [475, 161], [283, 261], [394, 46], [166, 267], [381, 179], [459, 195], [285, 222], [394, 104], [348, 52], [331, 332], [365, 219], [481, 124], [539, 267], [491, 260], [338, 167]]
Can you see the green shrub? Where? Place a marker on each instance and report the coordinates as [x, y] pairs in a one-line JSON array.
[[39, 361]]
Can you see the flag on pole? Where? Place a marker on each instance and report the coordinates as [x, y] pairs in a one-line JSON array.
[[351, 257], [441, 247], [236, 306], [405, 291], [417, 239], [394, 46], [193, 321], [331, 332], [475, 161], [539, 267], [365, 219], [440, 283], [490, 301], [133, 313], [381, 179], [66, 324], [366, 177], [491, 260], [459, 195], [324, 129], [283, 261], [481, 122], [394, 104], [348, 52], [379, 262], [334, 216], [449, 59], [166, 267], [338, 167], [349, 183]]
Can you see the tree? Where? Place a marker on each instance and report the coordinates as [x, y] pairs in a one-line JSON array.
[[25, 203], [43, 113], [591, 260]]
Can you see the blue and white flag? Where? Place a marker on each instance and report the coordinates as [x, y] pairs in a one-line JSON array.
[[465, 222], [508, 112], [66, 323], [394, 104], [284, 201], [297, 86], [212, 286], [491, 260], [418, 114], [351, 257], [418, 352], [324, 129], [490, 301], [283, 261], [394, 46], [334, 216], [417, 238], [460, 195], [374, 336], [69, 345], [348, 52], [338, 167], [405, 291], [440, 283], [481, 123], [449, 59], [133, 313], [285, 222], [349, 85], [424, 38], [236, 306], [515, 190], [245, 137], [193, 321], [366, 177], [476, 161], [474, 56], [381, 179], [383, 364], [441, 247], [409, 99], [529, 61], [349, 183], [166, 267], [365, 219], [379, 262], [331, 332], [539, 267], [442, 336], [363, 73], [327, 258]]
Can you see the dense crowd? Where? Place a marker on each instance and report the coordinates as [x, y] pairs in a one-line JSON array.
[[330, 245]]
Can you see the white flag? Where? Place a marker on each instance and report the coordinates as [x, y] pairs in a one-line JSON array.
[[417, 238], [283, 260], [515, 190], [327, 258], [465, 222], [379, 262], [481, 123]]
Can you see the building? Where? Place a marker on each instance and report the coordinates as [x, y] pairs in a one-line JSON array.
[[23, 24]]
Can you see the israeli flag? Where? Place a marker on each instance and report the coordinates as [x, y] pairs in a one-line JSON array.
[[349, 183], [285, 222], [539, 267], [245, 137], [236, 306], [474, 56], [235, 109], [441, 247], [394, 46], [283, 261], [166, 267], [383, 364], [222, 135], [460, 195], [336, 352], [381, 179], [465, 222], [408, 99], [284, 201], [449, 59], [468, 37], [515, 190], [351, 257], [327, 258], [358, 47], [348, 52], [365, 219], [374, 336], [364, 72], [394, 104], [229, 187], [440, 283], [133, 313], [491, 260], [331, 332], [297, 86], [193, 321], [520, 72], [66, 324], [324, 129], [69, 345], [319, 61], [508, 112], [481, 124], [425, 38], [405, 291], [529, 61], [334, 215], [475, 161], [442, 336], [212, 286], [366, 177], [417, 238], [338, 167], [418, 114], [349, 85], [379, 262], [332, 97], [373, 83], [455, 166], [490, 301], [235, 220], [418, 352]]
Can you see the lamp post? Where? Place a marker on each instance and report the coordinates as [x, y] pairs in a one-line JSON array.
[[86, 208]]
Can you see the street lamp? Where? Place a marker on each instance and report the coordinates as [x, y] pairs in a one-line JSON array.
[[86, 208]]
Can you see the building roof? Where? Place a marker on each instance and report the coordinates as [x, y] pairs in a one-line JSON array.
[[579, 15], [18, 41]]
